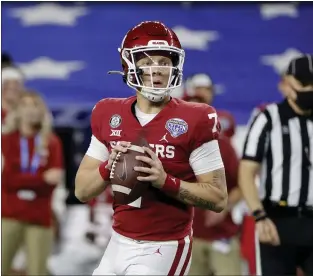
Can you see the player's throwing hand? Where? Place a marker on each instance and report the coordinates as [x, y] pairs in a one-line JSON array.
[[156, 173], [120, 147]]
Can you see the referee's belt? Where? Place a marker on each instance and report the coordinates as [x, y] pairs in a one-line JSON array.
[[280, 209]]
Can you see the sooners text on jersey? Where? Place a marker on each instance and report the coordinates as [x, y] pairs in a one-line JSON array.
[[174, 133]]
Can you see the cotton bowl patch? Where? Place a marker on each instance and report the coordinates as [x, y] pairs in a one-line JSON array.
[[176, 127]]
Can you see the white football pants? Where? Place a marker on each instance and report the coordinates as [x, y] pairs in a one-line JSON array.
[[125, 256]]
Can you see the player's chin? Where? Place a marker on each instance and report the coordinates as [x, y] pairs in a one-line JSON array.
[[159, 85]]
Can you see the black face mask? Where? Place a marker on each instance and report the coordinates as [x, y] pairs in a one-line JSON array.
[[305, 100]]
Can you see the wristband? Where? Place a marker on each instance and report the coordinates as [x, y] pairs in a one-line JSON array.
[[104, 172], [262, 217], [259, 215], [258, 212], [171, 185]]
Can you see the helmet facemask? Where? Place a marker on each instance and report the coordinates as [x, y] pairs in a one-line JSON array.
[[149, 71]]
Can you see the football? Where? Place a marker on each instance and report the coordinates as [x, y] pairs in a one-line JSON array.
[[126, 188]]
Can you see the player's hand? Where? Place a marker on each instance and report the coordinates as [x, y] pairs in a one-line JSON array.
[[156, 173], [267, 232], [121, 146]]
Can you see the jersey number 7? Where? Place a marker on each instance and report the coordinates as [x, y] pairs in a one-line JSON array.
[[213, 116]]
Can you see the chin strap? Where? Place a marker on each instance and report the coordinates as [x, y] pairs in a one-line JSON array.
[[154, 97]]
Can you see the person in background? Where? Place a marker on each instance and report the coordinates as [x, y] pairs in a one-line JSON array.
[[216, 247], [199, 88], [280, 140], [12, 88], [32, 168], [247, 241], [288, 87]]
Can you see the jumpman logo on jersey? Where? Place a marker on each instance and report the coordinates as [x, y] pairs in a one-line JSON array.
[[164, 138], [158, 251]]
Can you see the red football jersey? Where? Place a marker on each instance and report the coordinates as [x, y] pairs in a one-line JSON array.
[[227, 121], [174, 133]]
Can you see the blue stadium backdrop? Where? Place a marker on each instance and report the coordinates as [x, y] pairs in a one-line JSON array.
[[66, 50]]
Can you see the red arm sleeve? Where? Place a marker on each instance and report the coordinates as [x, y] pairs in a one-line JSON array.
[[231, 162]]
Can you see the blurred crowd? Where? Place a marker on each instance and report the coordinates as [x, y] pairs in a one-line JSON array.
[[37, 241]]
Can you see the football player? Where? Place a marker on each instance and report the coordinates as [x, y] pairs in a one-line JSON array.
[[200, 88], [215, 234], [152, 235]]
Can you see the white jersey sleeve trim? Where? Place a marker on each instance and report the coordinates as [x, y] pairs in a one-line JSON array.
[[97, 150], [206, 158]]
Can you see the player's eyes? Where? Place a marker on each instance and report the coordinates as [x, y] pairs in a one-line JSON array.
[[149, 63], [146, 63], [165, 63]]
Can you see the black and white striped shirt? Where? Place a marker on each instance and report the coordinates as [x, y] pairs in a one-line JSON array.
[[282, 142]]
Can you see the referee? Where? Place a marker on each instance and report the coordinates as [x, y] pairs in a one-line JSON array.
[[279, 149]]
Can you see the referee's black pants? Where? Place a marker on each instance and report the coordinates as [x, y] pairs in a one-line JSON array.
[[295, 230]]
